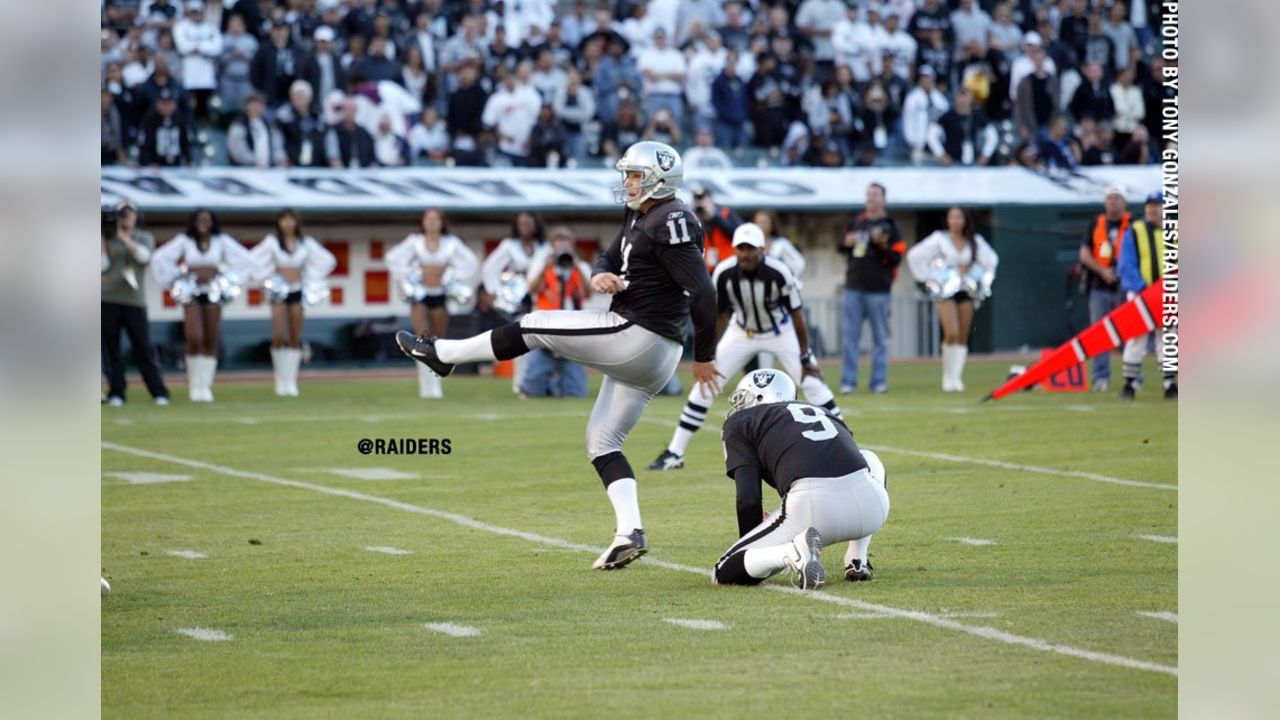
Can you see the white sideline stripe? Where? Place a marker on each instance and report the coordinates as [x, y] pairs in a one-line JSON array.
[[455, 630], [248, 421], [697, 624], [983, 461], [204, 634], [1160, 539], [388, 550], [1163, 615], [371, 473], [976, 542], [943, 614], [147, 478], [188, 554], [922, 617]]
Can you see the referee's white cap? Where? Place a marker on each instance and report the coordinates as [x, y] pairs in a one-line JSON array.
[[748, 234]]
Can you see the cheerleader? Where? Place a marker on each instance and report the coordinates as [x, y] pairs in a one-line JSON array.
[[958, 252], [214, 264], [419, 264], [779, 246], [288, 260], [526, 247]]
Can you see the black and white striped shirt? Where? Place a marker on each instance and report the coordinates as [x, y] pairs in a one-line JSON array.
[[761, 301]]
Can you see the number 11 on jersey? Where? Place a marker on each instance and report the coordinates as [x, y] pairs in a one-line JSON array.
[[626, 258]]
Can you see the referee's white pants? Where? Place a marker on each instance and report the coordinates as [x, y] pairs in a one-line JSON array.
[[736, 349]]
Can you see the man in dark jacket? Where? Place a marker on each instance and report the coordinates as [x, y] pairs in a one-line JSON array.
[[874, 247]]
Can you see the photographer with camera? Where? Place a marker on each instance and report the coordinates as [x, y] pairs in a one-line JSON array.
[[126, 251], [561, 281], [718, 224], [873, 247]]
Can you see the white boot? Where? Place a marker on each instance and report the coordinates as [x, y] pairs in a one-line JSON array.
[[947, 356], [957, 367], [428, 383], [293, 362], [210, 370], [193, 378], [278, 368], [517, 373]]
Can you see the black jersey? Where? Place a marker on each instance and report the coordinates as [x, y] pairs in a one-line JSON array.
[[659, 254], [789, 441]]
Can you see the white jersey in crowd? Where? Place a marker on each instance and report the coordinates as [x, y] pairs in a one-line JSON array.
[[224, 253], [510, 256], [411, 254], [310, 257], [514, 113], [782, 249], [199, 44], [939, 245], [763, 301]]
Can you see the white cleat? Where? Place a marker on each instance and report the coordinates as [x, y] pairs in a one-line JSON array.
[[805, 560], [624, 550]]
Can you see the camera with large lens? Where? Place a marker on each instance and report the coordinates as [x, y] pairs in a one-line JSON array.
[[565, 260]]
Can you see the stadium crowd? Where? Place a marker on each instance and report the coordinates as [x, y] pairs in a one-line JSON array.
[[1050, 84]]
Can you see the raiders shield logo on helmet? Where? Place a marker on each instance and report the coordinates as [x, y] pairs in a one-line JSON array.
[[762, 379], [665, 160]]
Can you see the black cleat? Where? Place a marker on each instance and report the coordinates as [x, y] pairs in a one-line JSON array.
[[1128, 392], [624, 550], [667, 461], [423, 349], [857, 571], [1171, 392]]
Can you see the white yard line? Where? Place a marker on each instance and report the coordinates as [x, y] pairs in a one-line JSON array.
[[455, 630], [986, 633], [976, 542], [943, 614], [388, 550], [187, 554], [1037, 469], [1163, 615], [147, 478], [1167, 539], [698, 624], [204, 634]]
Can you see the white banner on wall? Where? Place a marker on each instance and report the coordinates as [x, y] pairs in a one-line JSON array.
[[389, 190]]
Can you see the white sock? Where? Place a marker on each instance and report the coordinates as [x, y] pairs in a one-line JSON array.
[[517, 374], [278, 369], [766, 562], [210, 371], [857, 549], [293, 363], [626, 506], [680, 441], [478, 348], [193, 377], [957, 370], [946, 368]]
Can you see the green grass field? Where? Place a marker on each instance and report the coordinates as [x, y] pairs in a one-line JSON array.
[[500, 535]]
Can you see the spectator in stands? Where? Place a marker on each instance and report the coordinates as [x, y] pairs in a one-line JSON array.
[[663, 69], [822, 152], [1053, 149], [125, 100], [301, 129], [251, 141], [924, 105], [466, 43], [663, 128], [389, 149], [962, 135], [357, 49], [874, 248], [238, 50], [1062, 55], [577, 25], [164, 140], [1073, 28], [1003, 35], [158, 17], [575, 105], [853, 44], [429, 136], [422, 36], [899, 44], [1154, 93], [698, 17], [162, 80], [548, 78], [562, 54], [121, 15], [768, 103], [730, 103], [547, 139], [1104, 149], [878, 119], [1037, 96], [200, 44], [164, 46], [524, 16], [637, 28], [1129, 104], [932, 51], [511, 112], [894, 83], [113, 142], [615, 78], [829, 113], [346, 144], [413, 74], [276, 66], [326, 71], [375, 66], [705, 63], [815, 19], [1137, 151], [1093, 98], [1122, 35], [734, 32], [463, 117], [704, 155], [930, 16], [1097, 46], [500, 53], [622, 132], [968, 23]]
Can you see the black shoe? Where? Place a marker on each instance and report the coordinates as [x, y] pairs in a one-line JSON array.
[[624, 550], [1171, 392], [856, 571], [667, 461], [1127, 392], [423, 349]]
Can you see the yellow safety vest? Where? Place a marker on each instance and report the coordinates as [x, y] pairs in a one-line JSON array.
[[1149, 246]]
